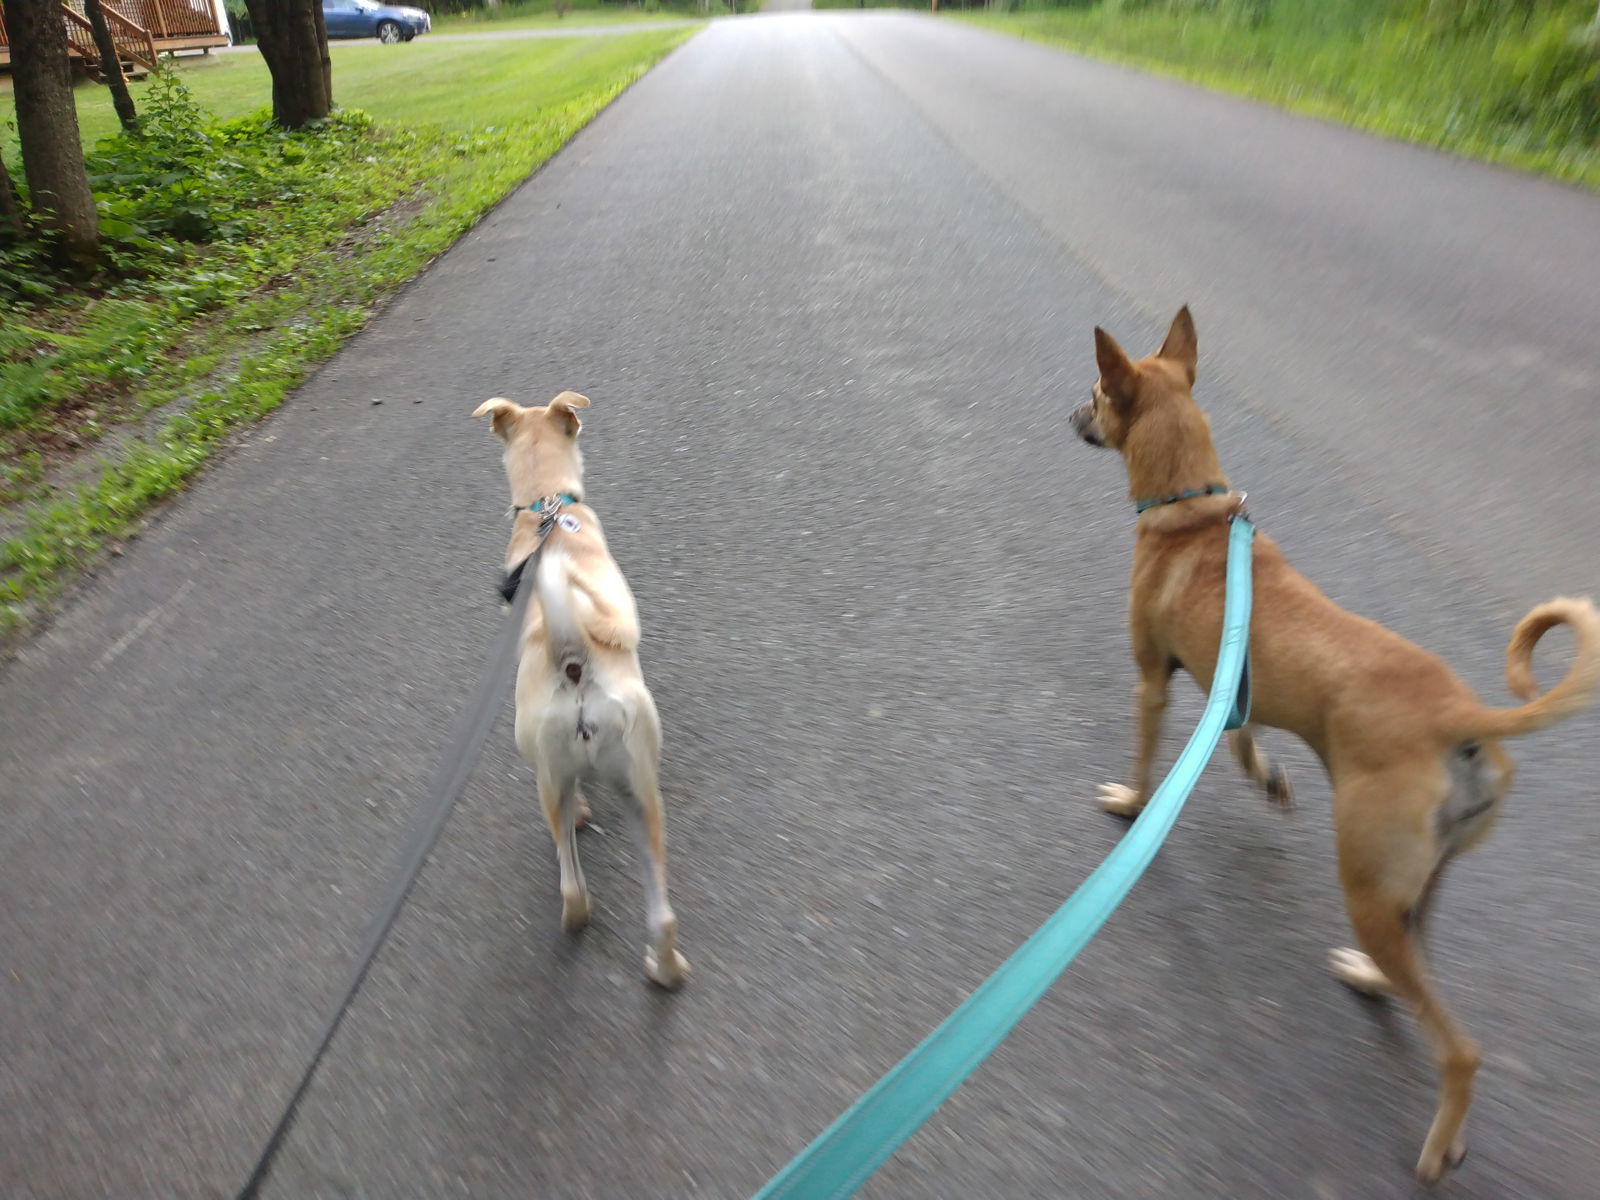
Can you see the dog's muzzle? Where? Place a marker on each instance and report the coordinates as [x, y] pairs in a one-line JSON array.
[[1083, 424]]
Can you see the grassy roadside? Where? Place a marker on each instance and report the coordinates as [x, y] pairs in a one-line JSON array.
[[1524, 93], [548, 14], [110, 402]]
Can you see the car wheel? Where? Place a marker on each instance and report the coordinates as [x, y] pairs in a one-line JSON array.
[[389, 32]]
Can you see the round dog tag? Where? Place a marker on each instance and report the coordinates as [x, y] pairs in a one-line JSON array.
[[568, 522]]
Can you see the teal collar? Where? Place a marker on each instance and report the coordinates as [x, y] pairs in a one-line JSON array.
[[561, 501], [1210, 489]]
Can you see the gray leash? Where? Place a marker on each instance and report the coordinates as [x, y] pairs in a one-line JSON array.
[[466, 743]]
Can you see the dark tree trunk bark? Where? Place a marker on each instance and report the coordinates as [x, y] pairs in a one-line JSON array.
[[10, 206], [47, 125], [294, 41], [111, 66]]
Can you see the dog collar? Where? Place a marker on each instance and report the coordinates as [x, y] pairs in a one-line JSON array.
[[512, 579], [538, 505], [1211, 489]]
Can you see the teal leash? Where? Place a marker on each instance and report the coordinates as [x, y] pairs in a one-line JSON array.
[[846, 1154]]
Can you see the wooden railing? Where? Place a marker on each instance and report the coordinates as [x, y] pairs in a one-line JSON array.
[[139, 23], [132, 41], [80, 34], [172, 18]]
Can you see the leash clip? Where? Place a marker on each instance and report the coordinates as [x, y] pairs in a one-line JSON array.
[[549, 507]]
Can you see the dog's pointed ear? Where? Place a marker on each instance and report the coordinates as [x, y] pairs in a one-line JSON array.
[[1182, 345], [1116, 370], [561, 411], [503, 414]]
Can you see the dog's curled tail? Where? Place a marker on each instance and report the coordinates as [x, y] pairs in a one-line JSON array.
[[1575, 691], [568, 650]]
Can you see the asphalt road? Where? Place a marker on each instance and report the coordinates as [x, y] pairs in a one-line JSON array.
[[829, 281]]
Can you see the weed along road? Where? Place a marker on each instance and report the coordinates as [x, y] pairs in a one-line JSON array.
[[830, 283]]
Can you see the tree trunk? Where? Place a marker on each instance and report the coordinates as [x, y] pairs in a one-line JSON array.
[[47, 125], [111, 66], [294, 41], [10, 207], [327, 59]]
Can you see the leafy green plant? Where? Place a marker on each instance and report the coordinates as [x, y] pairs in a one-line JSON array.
[[1553, 80]]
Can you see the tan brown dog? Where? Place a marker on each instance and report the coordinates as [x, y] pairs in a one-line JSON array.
[[1417, 768], [584, 715]]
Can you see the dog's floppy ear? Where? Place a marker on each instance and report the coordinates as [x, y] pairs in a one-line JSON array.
[[1116, 371], [561, 411], [503, 414], [1182, 345]]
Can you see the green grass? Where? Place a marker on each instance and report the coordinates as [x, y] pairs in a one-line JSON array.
[[869, 4], [1505, 92], [442, 84], [541, 14], [232, 328]]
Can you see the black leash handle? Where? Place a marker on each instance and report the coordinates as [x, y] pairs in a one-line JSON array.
[[466, 743]]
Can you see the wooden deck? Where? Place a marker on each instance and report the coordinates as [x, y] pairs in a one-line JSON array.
[[142, 30]]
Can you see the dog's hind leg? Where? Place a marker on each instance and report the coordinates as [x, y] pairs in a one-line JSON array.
[[1358, 972], [662, 961], [561, 805], [1150, 703], [1383, 931], [1272, 778], [1374, 866]]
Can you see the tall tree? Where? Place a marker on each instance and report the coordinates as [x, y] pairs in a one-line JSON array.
[[294, 41], [47, 125], [111, 66]]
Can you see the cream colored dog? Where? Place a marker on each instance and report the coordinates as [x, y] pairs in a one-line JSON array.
[[1418, 770], [584, 715]]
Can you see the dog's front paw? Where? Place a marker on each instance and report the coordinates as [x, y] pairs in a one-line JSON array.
[[1358, 972], [1120, 800], [667, 971]]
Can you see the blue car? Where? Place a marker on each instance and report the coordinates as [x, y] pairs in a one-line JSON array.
[[367, 18]]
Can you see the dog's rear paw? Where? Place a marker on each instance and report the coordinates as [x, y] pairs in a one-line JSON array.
[[666, 971], [574, 911], [1278, 789], [1358, 972], [1120, 800], [1433, 1165]]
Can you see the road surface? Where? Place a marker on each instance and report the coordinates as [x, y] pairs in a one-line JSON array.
[[829, 281]]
